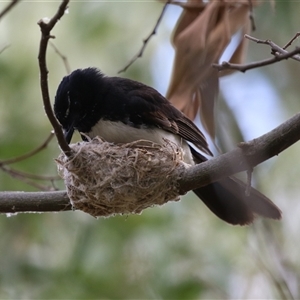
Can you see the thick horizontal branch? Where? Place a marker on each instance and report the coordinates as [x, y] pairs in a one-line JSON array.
[[244, 157], [14, 202]]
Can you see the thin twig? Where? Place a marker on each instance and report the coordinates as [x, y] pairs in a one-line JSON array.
[[8, 7], [4, 48], [25, 177], [292, 40], [257, 64], [271, 240], [275, 49], [275, 268], [280, 286], [278, 52], [46, 27], [29, 175], [145, 41], [29, 154], [63, 57], [253, 26]]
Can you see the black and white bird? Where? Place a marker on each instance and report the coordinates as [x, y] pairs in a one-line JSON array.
[[122, 111]]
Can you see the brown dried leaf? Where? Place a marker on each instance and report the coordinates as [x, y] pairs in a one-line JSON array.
[[190, 45], [200, 38], [238, 56], [186, 18]]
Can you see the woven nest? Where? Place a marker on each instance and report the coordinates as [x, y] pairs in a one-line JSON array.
[[105, 179]]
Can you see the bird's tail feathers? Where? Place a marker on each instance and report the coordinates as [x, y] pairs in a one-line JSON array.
[[228, 200]]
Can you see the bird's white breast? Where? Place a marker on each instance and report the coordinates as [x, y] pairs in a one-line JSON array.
[[118, 132]]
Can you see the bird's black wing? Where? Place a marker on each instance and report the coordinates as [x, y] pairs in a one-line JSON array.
[[226, 198], [156, 110]]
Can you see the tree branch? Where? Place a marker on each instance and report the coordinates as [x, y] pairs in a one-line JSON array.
[[244, 157], [275, 49], [278, 52], [14, 202], [31, 179], [27, 177], [29, 154], [4, 48], [63, 57], [251, 16], [145, 41], [46, 26], [8, 7], [289, 43]]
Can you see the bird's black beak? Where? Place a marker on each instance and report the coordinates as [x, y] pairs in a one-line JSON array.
[[68, 133]]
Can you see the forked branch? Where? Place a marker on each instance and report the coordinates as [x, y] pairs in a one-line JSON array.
[[46, 27], [278, 52]]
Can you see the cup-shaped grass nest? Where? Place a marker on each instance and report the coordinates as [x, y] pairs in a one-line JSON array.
[[105, 179]]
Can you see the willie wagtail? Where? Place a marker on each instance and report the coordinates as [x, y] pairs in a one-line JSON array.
[[122, 111]]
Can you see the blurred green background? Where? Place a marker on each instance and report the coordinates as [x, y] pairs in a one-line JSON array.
[[180, 250]]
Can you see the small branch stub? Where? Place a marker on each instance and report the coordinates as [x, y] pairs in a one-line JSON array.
[[105, 179]]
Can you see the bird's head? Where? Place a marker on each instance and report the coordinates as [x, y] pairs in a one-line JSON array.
[[76, 100]]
